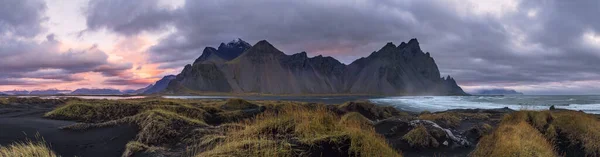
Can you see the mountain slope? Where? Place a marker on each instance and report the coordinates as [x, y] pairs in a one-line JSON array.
[[262, 68], [159, 86]]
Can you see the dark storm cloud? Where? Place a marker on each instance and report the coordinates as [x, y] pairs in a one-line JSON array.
[[26, 61], [128, 17], [4, 81], [536, 42], [21, 17]]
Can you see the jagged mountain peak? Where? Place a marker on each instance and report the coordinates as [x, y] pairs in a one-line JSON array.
[[303, 53], [413, 41], [448, 78], [264, 47], [236, 43], [207, 54], [387, 50], [388, 46], [224, 53], [413, 46], [402, 45], [263, 43]]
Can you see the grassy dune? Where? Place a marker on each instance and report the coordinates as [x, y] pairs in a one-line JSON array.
[[543, 133], [574, 133], [514, 137], [302, 131], [234, 127], [27, 149]]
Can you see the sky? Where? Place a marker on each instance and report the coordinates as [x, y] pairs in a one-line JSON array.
[[533, 46]]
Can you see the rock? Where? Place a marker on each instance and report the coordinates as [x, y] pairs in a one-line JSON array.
[[371, 111], [455, 139], [476, 132], [392, 127]]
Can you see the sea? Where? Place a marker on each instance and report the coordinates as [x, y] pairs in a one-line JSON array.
[[586, 103]]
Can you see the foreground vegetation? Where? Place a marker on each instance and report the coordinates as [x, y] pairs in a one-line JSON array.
[[301, 131], [27, 149], [543, 133], [235, 127]]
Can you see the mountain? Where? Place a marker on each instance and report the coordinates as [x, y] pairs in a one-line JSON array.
[[159, 86], [262, 68], [49, 92], [87, 91], [16, 92], [142, 90], [224, 53], [130, 91], [497, 91]]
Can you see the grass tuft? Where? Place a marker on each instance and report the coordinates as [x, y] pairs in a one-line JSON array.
[[514, 137], [452, 119], [355, 117], [27, 149], [160, 126], [420, 138], [580, 128]]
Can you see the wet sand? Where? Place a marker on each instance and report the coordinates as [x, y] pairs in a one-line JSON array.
[[19, 124]]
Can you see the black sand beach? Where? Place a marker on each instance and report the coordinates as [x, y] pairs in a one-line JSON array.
[[20, 124]]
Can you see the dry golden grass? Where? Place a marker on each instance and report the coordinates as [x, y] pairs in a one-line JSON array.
[[133, 148], [445, 118], [3, 101], [452, 119], [576, 127], [27, 149], [514, 137], [301, 130], [419, 137], [579, 128], [355, 117]]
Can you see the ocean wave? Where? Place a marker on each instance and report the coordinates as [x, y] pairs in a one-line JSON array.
[[442, 103], [587, 108]]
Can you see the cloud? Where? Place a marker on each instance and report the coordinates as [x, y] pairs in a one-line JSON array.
[[481, 43], [27, 60], [45, 61], [21, 18], [127, 17], [121, 81]]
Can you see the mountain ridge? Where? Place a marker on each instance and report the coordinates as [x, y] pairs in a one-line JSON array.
[[262, 68]]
